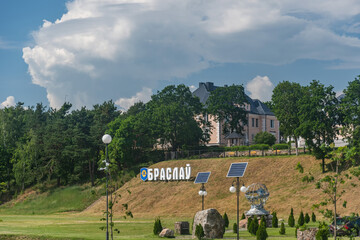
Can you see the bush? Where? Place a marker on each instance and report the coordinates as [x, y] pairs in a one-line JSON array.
[[313, 217], [261, 233], [291, 220], [265, 138], [301, 220], [263, 221], [226, 220], [249, 223], [199, 232], [254, 226], [157, 226], [323, 232], [280, 146], [282, 229], [274, 221], [235, 228], [242, 216], [259, 147], [307, 218]]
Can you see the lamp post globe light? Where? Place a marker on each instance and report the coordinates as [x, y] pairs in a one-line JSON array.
[[107, 140], [202, 193], [237, 189]]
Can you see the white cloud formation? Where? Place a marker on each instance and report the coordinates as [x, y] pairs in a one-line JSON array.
[[111, 49], [260, 88], [143, 96], [9, 102]]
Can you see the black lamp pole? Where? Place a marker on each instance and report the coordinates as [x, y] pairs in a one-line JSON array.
[[107, 198], [237, 205]]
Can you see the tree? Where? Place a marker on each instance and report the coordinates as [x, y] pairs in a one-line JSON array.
[[261, 233], [254, 225], [235, 228], [265, 138], [313, 217], [307, 218], [172, 115], [282, 229], [227, 105], [291, 220], [285, 99], [226, 220], [199, 232], [274, 221], [301, 220], [319, 118], [157, 226]]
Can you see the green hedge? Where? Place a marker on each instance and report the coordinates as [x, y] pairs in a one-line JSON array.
[[280, 146], [259, 147]]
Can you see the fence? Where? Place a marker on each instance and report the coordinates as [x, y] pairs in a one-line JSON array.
[[216, 153]]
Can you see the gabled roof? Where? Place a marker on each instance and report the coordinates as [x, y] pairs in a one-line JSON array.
[[256, 106]]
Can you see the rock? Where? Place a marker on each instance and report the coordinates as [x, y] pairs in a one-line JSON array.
[[212, 223], [309, 234], [243, 223], [167, 233]]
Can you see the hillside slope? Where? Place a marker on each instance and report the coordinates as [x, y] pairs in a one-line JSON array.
[[181, 199]]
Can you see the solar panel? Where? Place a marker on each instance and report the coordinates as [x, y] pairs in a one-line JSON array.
[[202, 177], [237, 169]]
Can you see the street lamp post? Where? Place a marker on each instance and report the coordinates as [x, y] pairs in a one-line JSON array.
[[202, 193], [107, 139], [237, 189]]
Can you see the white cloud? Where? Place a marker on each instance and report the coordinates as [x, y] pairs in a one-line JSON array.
[[9, 102], [111, 49], [260, 88], [143, 96]]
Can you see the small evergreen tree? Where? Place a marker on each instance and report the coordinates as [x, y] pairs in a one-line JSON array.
[[261, 233], [263, 221], [291, 220], [323, 232], [282, 229], [275, 221], [249, 223], [199, 232], [307, 218], [235, 228], [242, 216], [301, 220], [254, 226], [226, 220], [313, 217], [157, 226]]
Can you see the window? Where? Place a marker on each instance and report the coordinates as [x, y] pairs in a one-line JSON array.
[[272, 123], [253, 122], [257, 122]]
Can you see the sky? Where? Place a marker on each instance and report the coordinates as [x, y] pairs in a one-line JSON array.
[[89, 51]]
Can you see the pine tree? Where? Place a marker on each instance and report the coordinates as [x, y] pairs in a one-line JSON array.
[[282, 229], [301, 220], [242, 216], [291, 220], [261, 233], [275, 221], [249, 223], [307, 218], [235, 228], [157, 226], [226, 220], [313, 217], [199, 232]]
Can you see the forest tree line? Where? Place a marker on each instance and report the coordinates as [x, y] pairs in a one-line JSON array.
[[41, 145]]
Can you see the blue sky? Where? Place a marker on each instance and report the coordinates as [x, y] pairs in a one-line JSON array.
[[90, 51]]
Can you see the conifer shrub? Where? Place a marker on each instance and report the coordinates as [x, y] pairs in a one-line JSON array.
[[199, 231], [323, 232], [157, 226], [254, 226], [242, 216], [301, 220], [313, 217], [274, 221], [235, 228], [226, 220], [291, 220], [261, 233], [249, 223], [282, 229], [307, 218], [263, 221]]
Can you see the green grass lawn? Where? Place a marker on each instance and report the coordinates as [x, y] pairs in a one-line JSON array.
[[72, 226]]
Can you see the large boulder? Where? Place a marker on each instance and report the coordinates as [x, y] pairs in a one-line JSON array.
[[211, 221], [167, 233]]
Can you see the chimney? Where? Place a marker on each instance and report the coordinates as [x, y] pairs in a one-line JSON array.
[[209, 86], [201, 83]]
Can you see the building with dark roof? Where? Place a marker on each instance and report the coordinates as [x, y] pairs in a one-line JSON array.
[[259, 116]]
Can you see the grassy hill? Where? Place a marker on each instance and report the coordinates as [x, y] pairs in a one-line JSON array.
[[181, 199]]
